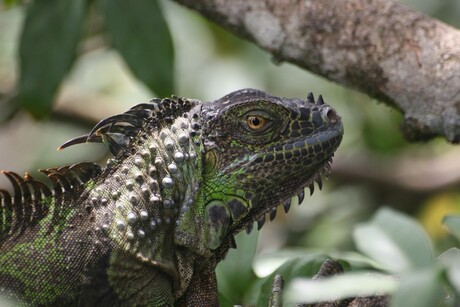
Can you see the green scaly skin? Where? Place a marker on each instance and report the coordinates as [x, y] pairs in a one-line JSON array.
[[150, 227]]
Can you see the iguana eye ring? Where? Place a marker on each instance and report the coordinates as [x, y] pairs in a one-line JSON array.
[[256, 122]]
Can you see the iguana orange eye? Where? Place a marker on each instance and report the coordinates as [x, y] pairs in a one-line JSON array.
[[256, 122]]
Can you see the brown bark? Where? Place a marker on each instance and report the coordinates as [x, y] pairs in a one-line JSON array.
[[379, 47]]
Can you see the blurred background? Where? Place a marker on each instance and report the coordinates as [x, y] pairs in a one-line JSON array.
[[374, 166]]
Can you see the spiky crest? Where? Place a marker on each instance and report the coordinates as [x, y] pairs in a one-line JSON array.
[[117, 131], [31, 199]]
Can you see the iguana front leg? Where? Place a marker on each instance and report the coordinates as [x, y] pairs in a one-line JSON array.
[[137, 283], [203, 287]]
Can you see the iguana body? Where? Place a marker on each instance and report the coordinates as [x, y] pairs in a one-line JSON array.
[[150, 227]]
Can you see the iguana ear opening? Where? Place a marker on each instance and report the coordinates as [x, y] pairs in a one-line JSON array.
[[210, 162]]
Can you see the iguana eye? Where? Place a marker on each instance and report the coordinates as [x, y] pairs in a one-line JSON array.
[[256, 122]]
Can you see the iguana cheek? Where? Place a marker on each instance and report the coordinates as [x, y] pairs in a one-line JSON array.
[[220, 214], [218, 219]]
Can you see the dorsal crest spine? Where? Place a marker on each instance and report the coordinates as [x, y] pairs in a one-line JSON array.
[[117, 131], [31, 199]]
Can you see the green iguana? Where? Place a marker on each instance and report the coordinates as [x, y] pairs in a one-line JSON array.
[[150, 226]]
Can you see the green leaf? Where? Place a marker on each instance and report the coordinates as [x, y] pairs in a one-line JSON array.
[[452, 222], [139, 32], [394, 240], [47, 50], [450, 259], [338, 287], [421, 288], [234, 273]]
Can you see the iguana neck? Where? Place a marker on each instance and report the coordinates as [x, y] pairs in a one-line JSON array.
[[148, 194]]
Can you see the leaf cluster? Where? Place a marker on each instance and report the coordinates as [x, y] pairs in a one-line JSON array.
[[54, 33]]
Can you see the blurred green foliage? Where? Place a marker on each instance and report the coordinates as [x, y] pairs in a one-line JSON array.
[[51, 35], [396, 257], [89, 52], [386, 126]]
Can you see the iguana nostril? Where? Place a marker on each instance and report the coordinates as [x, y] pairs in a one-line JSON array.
[[330, 115]]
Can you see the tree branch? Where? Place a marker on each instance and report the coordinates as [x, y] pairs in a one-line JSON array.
[[379, 47]]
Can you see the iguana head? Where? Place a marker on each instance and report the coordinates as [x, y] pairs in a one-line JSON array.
[[259, 151]]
